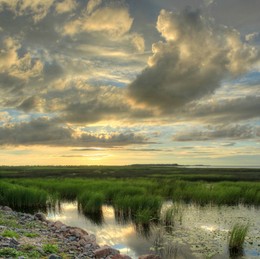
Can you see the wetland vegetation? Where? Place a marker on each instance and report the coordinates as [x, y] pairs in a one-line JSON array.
[[136, 193]]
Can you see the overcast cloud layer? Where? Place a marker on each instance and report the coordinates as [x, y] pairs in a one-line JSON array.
[[155, 75]]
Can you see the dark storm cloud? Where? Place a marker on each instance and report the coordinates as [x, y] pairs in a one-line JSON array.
[[195, 57], [235, 132], [48, 132]]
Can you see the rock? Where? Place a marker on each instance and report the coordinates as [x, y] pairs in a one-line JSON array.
[[58, 224], [78, 232], [105, 251], [119, 256], [40, 251], [14, 241], [63, 228], [40, 216], [149, 257], [82, 242], [21, 257], [53, 256], [6, 208], [72, 238]]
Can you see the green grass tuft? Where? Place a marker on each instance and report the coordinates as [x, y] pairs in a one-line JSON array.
[[50, 248], [10, 233], [237, 238]]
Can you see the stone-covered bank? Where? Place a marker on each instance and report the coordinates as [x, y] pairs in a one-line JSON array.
[[29, 236]]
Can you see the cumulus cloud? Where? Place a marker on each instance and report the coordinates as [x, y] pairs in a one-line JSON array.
[[195, 56], [38, 9], [112, 19], [65, 6], [23, 67], [43, 131], [78, 102], [233, 132]]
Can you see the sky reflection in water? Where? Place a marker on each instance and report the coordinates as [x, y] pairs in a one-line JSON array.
[[204, 229]]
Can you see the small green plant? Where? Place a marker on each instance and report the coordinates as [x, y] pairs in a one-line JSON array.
[[31, 235], [237, 238], [10, 233], [8, 252], [30, 251], [10, 222], [50, 248], [27, 247]]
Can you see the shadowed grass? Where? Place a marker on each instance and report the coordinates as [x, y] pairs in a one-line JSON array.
[[237, 238]]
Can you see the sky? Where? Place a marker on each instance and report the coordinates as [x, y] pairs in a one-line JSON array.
[[118, 82]]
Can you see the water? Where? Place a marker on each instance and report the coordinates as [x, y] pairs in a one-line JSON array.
[[199, 232]]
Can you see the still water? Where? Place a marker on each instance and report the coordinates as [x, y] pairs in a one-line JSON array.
[[199, 232]]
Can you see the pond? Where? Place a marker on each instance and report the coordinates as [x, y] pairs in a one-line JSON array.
[[198, 232]]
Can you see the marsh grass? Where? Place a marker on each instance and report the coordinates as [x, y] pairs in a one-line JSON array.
[[140, 208], [17, 196], [91, 202], [170, 215], [128, 195], [237, 239]]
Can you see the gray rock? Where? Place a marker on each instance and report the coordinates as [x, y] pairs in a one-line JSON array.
[[6, 208], [53, 256], [151, 256], [40, 216]]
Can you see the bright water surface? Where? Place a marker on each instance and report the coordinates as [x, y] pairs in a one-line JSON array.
[[200, 232]]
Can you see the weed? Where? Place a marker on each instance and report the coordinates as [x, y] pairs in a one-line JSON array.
[[8, 252], [50, 248], [27, 247], [10, 233], [31, 235], [237, 238]]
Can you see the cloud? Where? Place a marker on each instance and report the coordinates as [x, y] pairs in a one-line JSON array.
[[92, 5], [225, 110], [33, 103], [23, 67], [65, 6], [233, 132], [47, 132], [191, 63], [112, 19], [8, 54], [253, 37], [38, 9], [138, 42]]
